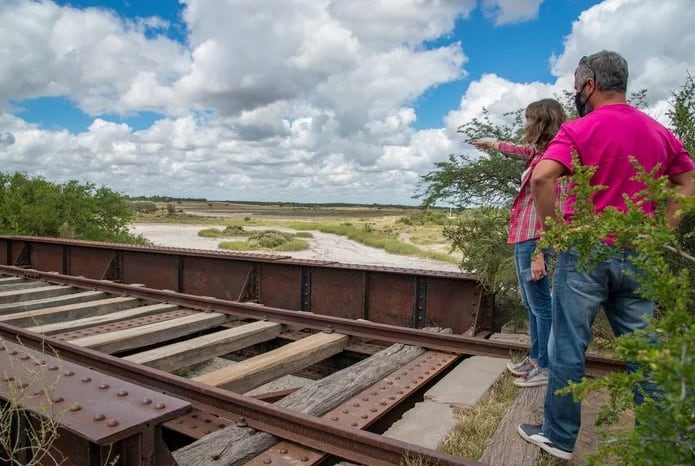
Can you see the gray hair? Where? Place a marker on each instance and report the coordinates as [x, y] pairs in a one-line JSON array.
[[608, 69]]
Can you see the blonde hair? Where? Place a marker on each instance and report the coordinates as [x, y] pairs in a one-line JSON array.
[[543, 118]]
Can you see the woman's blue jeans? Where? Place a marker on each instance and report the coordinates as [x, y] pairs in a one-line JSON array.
[[536, 298], [577, 296]]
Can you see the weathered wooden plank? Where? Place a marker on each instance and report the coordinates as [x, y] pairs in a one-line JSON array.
[[253, 372], [20, 285], [104, 316], [506, 446], [51, 302], [9, 280], [151, 334], [68, 312], [233, 446], [48, 291], [195, 350]]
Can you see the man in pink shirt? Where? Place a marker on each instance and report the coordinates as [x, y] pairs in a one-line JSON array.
[[609, 132]]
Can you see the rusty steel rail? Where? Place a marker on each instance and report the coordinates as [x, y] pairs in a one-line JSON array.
[[396, 296], [453, 343], [323, 435]]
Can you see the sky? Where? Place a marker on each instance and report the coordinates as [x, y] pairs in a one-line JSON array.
[[310, 101]]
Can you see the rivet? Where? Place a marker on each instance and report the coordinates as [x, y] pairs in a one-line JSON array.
[[68, 373], [345, 411], [354, 424], [122, 393], [267, 461], [398, 377], [146, 401], [208, 421], [112, 423], [374, 393], [304, 458], [389, 382], [38, 392], [86, 379], [58, 399], [99, 417], [364, 416], [383, 403], [334, 418], [283, 451], [392, 398], [25, 357], [9, 378], [194, 416], [159, 406], [373, 410], [13, 352], [52, 368], [356, 405], [75, 407], [365, 399], [103, 386]]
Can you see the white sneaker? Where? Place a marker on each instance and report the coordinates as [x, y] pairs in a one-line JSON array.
[[533, 378], [534, 434], [522, 367]]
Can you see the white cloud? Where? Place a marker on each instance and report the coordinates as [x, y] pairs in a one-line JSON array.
[[303, 100], [511, 11]]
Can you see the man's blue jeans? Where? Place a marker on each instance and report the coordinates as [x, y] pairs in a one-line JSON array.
[[577, 296], [535, 297]]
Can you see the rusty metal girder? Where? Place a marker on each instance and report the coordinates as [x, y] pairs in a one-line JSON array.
[[97, 407], [364, 409], [395, 296], [452, 343], [355, 445]]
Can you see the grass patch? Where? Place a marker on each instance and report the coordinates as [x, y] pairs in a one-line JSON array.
[[210, 233], [267, 240], [476, 425]]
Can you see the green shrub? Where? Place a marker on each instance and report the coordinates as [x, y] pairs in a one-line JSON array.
[[210, 233], [233, 230]]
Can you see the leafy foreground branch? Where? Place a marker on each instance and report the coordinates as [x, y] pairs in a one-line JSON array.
[[665, 350]]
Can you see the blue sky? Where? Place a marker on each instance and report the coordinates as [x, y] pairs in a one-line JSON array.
[[299, 100]]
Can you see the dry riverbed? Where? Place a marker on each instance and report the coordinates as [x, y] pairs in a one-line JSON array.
[[323, 246]]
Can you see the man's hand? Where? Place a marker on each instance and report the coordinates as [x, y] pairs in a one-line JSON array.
[[538, 270]]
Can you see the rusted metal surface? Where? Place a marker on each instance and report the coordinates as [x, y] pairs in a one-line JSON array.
[[458, 344], [98, 407], [394, 296], [355, 445], [364, 409], [123, 324], [197, 424]]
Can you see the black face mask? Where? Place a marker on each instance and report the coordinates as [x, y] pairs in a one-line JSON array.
[[579, 104]]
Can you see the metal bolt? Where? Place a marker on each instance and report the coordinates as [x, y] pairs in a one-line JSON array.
[[267, 461], [99, 417], [68, 373], [52, 368], [75, 407], [58, 399], [13, 352], [146, 401], [159, 406], [345, 411], [25, 357], [283, 451], [112, 423], [9, 378], [38, 392], [103, 386], [353, 424], [304, 459], [364, 416], [86, 379], [122, 393], [334, 418]]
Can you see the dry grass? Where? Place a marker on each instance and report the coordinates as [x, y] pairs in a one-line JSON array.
[[476, 425]]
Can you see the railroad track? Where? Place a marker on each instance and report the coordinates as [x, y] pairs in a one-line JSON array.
[[110, 351]]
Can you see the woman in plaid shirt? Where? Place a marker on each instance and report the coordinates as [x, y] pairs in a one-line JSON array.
[[543, 120]]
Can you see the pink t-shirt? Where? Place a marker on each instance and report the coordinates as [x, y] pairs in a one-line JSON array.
[[605, 138]]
